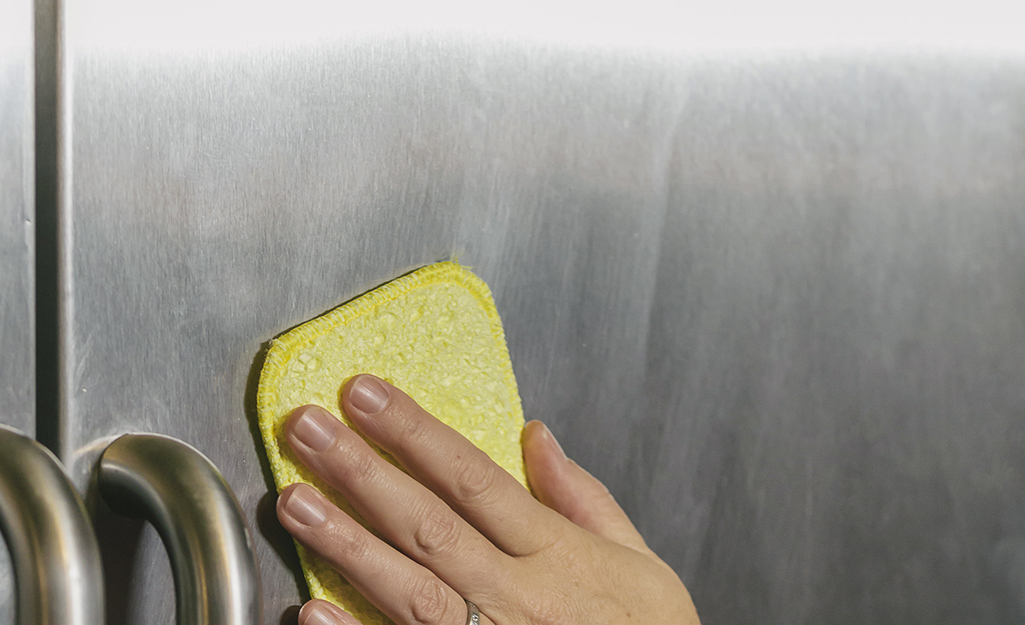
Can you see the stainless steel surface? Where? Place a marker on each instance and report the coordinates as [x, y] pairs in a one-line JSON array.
[[17, 363], [772, 297], [183, 495], [49, 536]]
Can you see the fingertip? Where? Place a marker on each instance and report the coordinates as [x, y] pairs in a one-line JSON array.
[[279, 506], [320, 612], [544, 461], [283, 496], [346, 390], [531, 433], [300, 506], [542, 454], [311, 427], [365, 395], [298, 413], [553, 442], [537, 435]]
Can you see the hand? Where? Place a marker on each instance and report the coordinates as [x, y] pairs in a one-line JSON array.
[[463, 528]]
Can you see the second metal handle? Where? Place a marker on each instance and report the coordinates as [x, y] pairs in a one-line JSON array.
[[179, 491]]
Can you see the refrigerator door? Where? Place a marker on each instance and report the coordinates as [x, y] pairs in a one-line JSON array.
[[17, 363], [17, 243], [772, 299]]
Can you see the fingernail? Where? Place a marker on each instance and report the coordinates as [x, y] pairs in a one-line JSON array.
[[368, 395], [319, 614], [316, 428], [303, 506], [553, 441]]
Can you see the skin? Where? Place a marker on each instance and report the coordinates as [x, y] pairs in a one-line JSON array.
[[459, 526]]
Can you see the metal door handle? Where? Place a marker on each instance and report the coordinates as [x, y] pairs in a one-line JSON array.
[[56, 558], [184, 496]]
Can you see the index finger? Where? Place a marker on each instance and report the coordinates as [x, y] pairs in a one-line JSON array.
[[443, 460]]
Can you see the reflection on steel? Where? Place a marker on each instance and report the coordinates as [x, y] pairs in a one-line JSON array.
[[183, 495], [50, 538], [774, 300]]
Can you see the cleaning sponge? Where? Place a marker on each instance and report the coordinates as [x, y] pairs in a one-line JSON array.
[[434, 333]]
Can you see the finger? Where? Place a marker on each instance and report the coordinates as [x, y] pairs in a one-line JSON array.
[[406, 592], [405, 513], [320, 612], [443, 460], [565, 487]]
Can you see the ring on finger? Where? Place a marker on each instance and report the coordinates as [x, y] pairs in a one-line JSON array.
[[472, 613]]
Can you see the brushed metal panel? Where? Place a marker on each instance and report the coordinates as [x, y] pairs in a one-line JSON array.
[[17, 363], [774, 301]]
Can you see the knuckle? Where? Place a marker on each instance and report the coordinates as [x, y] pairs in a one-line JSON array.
[[438, 533], [413, 428], [547, 609], [566, 554], [353, 544], [429, 602], [354, 466], [475, 480]]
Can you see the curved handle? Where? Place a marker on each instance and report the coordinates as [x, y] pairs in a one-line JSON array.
[[56, 558], [179, 491]]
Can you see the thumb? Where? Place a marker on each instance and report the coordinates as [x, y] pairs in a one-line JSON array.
[[565, 487]]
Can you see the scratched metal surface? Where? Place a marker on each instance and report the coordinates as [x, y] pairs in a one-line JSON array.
[[17, 369], [17, 365], [773, 299]]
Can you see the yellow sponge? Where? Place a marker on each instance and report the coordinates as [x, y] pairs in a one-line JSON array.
[[433, 333]]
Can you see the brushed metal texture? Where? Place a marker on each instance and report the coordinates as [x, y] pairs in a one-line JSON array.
[[17, 358], [17, 252], [773, 300]]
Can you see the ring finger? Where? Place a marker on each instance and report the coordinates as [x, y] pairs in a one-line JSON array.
[[403, 590]]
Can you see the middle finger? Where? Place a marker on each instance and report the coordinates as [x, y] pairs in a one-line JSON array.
[[443, 460]]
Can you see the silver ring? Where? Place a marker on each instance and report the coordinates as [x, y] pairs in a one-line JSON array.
[[472, 613]]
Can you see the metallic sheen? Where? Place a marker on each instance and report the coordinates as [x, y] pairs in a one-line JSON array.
[[472, 613], [183, 495], [50, 538], [760, 272], [17, 249]]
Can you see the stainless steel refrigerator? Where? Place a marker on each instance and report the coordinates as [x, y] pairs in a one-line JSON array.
[[767, 284]]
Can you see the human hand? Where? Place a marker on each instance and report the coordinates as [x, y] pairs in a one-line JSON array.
[[461, 528]]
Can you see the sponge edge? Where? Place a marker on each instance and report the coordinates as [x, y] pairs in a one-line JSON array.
[[434, 333]]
